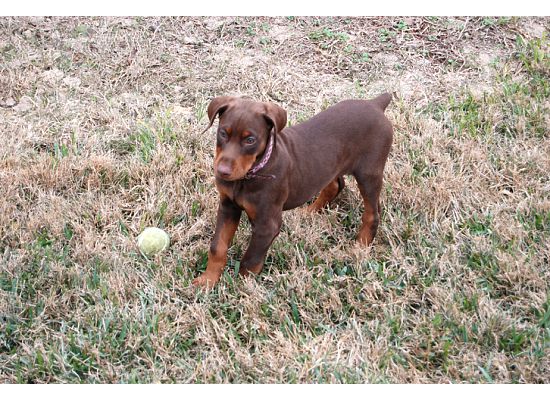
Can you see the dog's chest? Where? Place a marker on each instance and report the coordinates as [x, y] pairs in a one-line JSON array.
[[232, 191], [239, 194]]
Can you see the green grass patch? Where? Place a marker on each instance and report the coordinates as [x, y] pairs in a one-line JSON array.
[[515, 109], [327, 34]]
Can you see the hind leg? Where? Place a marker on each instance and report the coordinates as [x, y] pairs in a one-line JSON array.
[[370, 187], [328, 194]]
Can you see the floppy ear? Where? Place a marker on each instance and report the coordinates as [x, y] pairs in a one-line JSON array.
[[216, 107], [276, 116]]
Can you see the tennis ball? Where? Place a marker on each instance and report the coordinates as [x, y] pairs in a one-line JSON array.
[[152, 241]]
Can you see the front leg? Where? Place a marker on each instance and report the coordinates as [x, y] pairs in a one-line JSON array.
[[265, 228], [226, 225]]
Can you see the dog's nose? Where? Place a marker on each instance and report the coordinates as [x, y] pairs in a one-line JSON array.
[[224, 170]]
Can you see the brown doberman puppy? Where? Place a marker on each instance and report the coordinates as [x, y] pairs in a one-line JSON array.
[[264, 169]]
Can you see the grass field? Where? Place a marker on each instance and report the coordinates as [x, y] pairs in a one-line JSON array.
[[100, 122]]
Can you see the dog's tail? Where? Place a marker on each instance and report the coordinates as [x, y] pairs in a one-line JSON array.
[[383, 100]]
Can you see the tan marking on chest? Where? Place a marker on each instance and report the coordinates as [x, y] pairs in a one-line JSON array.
[[238, 198], [250, 209]]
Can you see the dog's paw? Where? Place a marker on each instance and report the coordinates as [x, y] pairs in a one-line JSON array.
[[250, 269], [205, 280]]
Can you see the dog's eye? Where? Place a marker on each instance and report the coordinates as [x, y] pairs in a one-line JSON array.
[[250, 140], [222, 135]]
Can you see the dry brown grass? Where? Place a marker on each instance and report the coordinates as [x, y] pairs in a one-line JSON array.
[[100, 122]]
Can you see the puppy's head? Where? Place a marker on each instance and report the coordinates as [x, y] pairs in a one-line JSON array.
[[243, 133]]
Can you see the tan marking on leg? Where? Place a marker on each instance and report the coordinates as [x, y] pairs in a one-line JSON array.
[[250, 210], [368, 229], [217, 256], [326, 196]]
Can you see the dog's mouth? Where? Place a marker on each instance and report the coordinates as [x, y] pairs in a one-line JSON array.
[[232, 170], [230, 175], [229, 178]]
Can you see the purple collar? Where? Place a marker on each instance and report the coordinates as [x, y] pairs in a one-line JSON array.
[[252, 172]]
